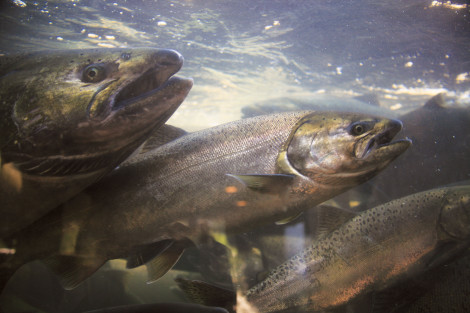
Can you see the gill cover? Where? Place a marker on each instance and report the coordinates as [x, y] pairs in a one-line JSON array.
[[325, 143], [455, 213]]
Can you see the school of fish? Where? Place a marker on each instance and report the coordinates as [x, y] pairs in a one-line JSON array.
[[69, 197]]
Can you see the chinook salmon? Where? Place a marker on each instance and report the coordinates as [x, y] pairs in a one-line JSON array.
[[69, 117], [230, 177], [374, 250]]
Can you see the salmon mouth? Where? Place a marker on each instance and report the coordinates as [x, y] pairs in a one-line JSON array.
[[143, 87], [383, 140], [165, 63]]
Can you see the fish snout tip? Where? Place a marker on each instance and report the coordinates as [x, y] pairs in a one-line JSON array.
[[169, 57], [395, 125]]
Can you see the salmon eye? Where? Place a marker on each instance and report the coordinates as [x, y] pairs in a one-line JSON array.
[[359, 128], [93, 73]]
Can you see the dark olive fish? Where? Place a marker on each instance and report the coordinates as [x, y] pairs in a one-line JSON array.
[[161, 308], [440, 154], [69, 117], [227, 178], [375, 250]]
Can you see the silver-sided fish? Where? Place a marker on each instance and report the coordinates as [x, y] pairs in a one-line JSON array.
[[228, 178], [376, 249], [68, 117]]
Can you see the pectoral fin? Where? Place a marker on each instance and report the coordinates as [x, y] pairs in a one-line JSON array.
[[161, 264], [326, 218], [72, 270], [64, 166], [144, 254], [288, 219], [436, 103], [266, 183]]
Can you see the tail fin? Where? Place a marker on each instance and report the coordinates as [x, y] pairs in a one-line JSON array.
[[206, 294]]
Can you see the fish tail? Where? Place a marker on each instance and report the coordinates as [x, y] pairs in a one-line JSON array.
[[207, 294]]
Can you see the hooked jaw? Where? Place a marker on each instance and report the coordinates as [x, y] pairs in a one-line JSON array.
[[147, 96], [168, 62], [382, 142]]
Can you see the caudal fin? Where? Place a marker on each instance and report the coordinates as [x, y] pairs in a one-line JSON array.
[[206, 294]]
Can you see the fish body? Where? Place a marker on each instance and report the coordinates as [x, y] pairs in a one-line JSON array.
[[228, 178], [440, 154], [68, 117], [374, 250]]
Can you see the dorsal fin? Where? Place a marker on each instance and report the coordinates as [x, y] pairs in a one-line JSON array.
[[436, 102], [326, 218], [161, 136]]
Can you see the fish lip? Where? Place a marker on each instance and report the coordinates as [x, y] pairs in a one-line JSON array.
[[384, 139], [147, 84]]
